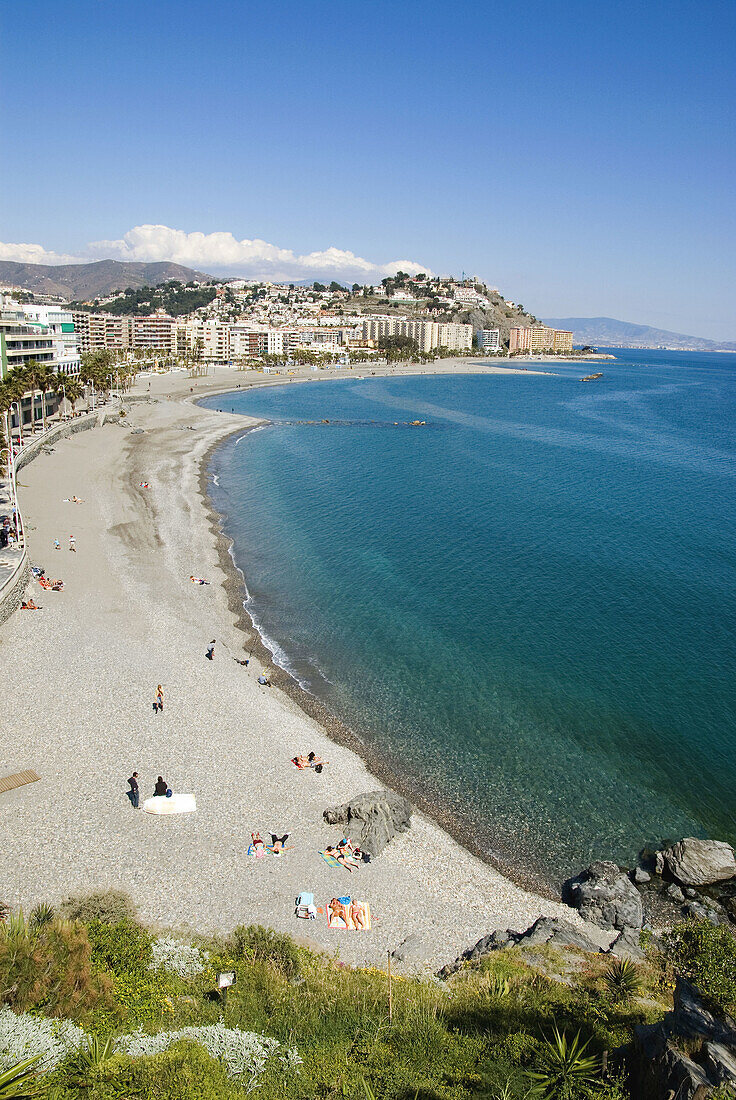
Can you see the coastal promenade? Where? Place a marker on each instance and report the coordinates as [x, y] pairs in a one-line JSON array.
[[80, 678]]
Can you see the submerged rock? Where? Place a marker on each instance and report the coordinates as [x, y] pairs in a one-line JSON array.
[[605, 895], [379, 815], [696, 862]]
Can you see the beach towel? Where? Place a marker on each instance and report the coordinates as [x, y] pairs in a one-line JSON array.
[[351, 916], [258, 852], [329, 860]]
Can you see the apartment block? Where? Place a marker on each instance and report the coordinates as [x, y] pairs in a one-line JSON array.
[[537, 339], [21, 341], [488, 340], [59, 323]]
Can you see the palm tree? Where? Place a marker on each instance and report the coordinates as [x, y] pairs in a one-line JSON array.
[[68, 388], [47, 377]]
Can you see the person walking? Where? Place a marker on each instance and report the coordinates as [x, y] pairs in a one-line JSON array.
[[210, 654], [134, 792], [158, 703], [72, 544]]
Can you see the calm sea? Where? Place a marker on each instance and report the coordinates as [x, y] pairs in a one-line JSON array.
[[527, 605]]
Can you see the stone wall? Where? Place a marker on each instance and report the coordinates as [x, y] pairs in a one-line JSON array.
[[53, 435], [14, 589]]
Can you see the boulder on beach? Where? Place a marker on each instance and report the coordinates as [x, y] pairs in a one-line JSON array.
[[379, 816], [696, 862], [605, 895]]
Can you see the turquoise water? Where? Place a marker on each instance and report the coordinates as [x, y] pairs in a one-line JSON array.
[[527, 606]]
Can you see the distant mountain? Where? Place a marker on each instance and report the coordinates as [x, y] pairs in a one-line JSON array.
[[623, 334], [85, 282]]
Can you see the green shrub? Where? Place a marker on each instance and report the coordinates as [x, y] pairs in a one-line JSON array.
[[706, 955], [256, 942], [519, 1048], [108, 906], [124, 947]]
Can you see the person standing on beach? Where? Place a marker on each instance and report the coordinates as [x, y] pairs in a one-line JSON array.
[[134, 793], [158, 704], [72, 544], [210, 654]]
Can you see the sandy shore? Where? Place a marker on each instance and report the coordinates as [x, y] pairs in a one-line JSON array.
[[79, 680]]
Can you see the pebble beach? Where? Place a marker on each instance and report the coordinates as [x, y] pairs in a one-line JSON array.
[[79, 680]]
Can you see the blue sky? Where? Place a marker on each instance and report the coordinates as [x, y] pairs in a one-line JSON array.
[[580, 156]]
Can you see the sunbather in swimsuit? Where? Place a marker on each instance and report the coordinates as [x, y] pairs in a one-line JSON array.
[[337, 854], [357, 915], [259, 847], [338, 912]]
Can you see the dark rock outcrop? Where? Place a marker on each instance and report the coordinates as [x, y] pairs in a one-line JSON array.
[[605, 895], [556, 933], [696, 862], [626, 945], [378, 816], [711, 1064], [698, 911]]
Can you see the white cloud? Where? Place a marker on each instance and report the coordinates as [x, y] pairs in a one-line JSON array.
[[34, 254], [222, 252]]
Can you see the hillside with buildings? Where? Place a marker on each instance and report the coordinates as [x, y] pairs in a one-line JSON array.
[[239, 323]]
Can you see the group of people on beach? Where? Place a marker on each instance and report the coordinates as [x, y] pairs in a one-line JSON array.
[[161, 789], [276, 847], [311, 760]]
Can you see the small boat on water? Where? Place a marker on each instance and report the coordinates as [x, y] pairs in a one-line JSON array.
[[592, 377]]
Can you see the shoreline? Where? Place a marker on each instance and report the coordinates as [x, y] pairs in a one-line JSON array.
[[128, 617], [235, 586]]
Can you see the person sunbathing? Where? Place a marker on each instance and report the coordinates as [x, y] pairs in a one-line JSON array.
[[30, 605], [198, 580], [278, 842], [357, 915], [258, 845], [330, 850], [338, 912]]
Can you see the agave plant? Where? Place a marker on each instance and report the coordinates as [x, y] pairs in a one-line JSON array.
[[622, 980], [93, 1052], [20, 1081], [564, 1067], [41, 914]]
